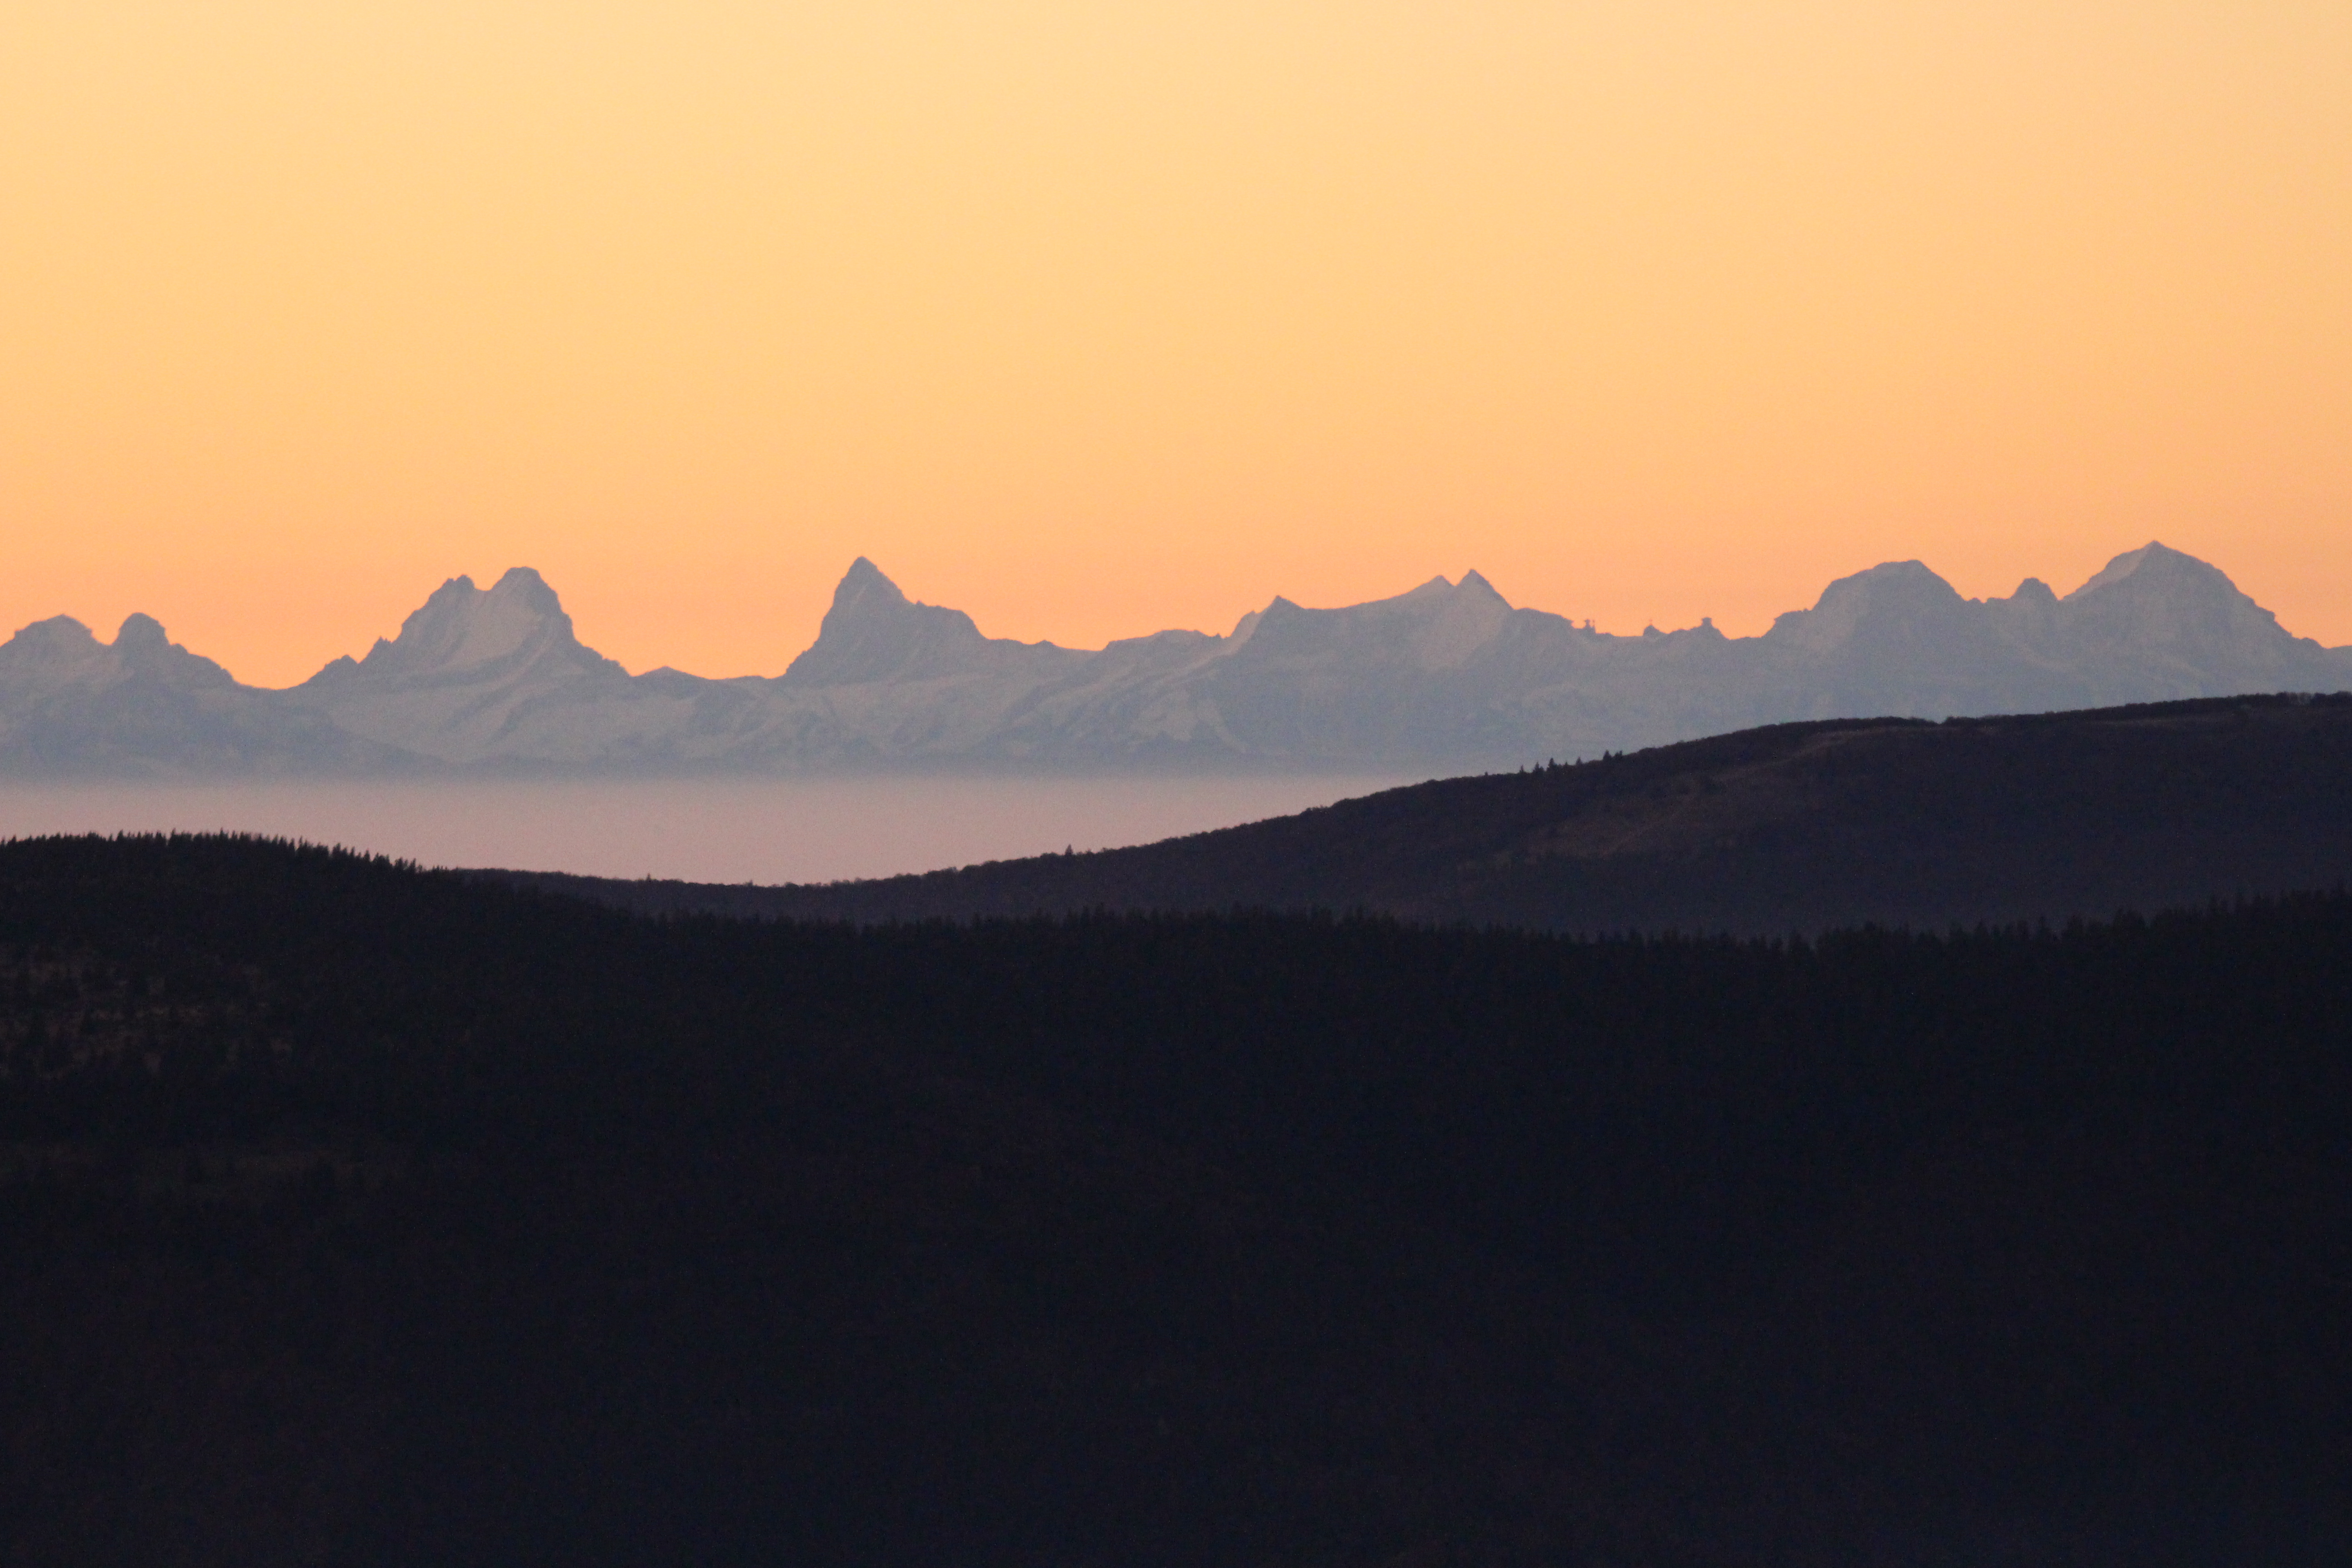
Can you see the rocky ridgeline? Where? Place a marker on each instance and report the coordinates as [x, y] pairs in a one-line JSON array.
[[1450, 676]]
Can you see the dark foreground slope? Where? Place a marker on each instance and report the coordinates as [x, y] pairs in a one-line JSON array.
[[352, 1214], [1797, 826]]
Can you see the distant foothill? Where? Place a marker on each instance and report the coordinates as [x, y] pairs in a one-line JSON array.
[[1448, 678], [1764, 832]]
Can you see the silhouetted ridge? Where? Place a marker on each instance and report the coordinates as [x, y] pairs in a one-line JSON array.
[[1789, 827]]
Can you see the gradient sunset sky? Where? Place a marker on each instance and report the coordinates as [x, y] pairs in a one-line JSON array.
[[1093, 319]]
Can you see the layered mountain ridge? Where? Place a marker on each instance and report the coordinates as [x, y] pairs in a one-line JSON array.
[[1448, 677]]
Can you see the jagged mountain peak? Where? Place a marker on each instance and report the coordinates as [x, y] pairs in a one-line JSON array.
[[144, 649], [518, 618], [1469, 618], [865, 578], [1432, 596], [62, 651], [523, 585], [1443, 673], [874, 632]]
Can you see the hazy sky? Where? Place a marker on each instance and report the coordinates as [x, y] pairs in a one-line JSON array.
[[1094, 319]]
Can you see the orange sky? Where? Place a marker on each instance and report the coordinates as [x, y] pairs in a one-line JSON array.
[[1096, 318]]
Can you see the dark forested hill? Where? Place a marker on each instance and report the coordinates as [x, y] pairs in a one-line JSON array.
[[1797, 826], [354, 1214]]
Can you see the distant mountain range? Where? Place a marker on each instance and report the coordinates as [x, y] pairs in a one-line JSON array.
[[1763, 832], [1449, 678]]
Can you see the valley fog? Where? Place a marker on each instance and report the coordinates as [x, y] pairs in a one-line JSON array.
[[709, 830]]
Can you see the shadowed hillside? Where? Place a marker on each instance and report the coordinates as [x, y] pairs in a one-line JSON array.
[[356, 1214], [1798, 826]]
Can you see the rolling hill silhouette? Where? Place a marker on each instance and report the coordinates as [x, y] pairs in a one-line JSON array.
[[1793, 827]]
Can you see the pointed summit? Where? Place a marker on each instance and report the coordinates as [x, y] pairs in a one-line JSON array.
[[2160, 562], [874, 632], [1475, 582], [2154, 576], [1466, 622], [863, 578]]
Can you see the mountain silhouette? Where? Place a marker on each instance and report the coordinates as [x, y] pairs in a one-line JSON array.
[[1449, 676], [145, 705], [873, 633], [481, 675]]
